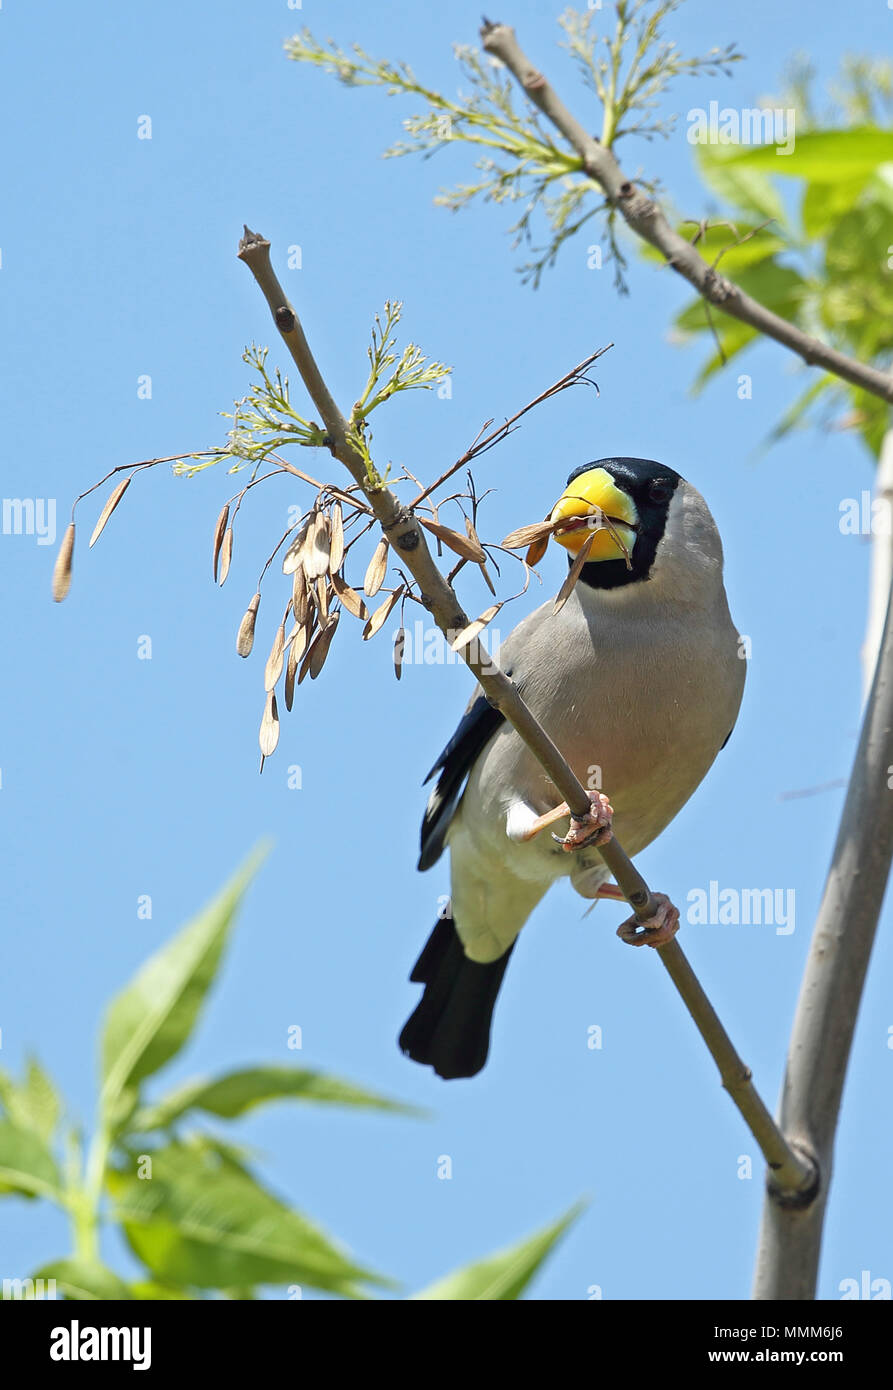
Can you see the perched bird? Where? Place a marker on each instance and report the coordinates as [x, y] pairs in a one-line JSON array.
[[637, 679]]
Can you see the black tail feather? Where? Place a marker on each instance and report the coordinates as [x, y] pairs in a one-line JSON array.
[[450, 1028]]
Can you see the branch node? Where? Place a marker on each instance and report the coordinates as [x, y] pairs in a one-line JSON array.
[[797, 1199]]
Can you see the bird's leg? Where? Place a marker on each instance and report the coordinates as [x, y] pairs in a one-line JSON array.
[[657, 931], [592, 829]]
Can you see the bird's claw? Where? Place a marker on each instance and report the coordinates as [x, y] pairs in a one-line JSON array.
[[585, 831], [657, 931], [592, 829]]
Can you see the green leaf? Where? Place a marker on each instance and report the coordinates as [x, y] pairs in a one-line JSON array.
[[859, 245], [881, 186], [823, 155], [856, 302], [239, 1091], [152, 1018], [872, 418], [504, 1275], [26, 1165], [119, 1108], [865, 412], [722, 237], [148, 1289], [222, 1152], [779, 287], [197, 1222], [33, 1105], [744, 188], [795, 415], [825, 203], [734, 336], [84, 1279]]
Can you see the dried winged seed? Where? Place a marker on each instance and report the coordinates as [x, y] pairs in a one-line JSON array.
[[276, 659], [475, 540], [461, 545], [295, 649], [349, 597], [315, 556], [336, 540], [573, 574], [62, 567], [218, 537], [536, 551], [300, 599], [471, 631], [269, 727], [245, 639], [226, 553], [486, 573], [399, 644], [107, 510], [321, 649], [322, 598], [378, 568], [291, 560], [381, 614], [305, 664], [311, 651], [296, 641], [529, 535]]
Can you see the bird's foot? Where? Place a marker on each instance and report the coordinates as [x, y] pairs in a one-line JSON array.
[[657, 931], [592, 829]]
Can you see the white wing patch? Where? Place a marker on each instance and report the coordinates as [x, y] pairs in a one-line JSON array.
[[519, 819]]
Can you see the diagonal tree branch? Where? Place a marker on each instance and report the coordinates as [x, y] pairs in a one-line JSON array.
[[644, 217], [792, 1171], [822, 1036]]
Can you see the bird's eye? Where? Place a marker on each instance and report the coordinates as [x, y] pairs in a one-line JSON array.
[[659, 490]]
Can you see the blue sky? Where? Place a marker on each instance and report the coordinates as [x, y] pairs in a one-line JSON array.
[[123, 777]]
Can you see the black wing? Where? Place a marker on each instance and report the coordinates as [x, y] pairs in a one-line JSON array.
[[477, 727]]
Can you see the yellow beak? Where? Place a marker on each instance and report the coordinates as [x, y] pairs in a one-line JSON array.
[[595, 495]]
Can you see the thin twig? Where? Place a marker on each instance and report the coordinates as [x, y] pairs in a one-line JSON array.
[[137, 467], [480, 446]]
